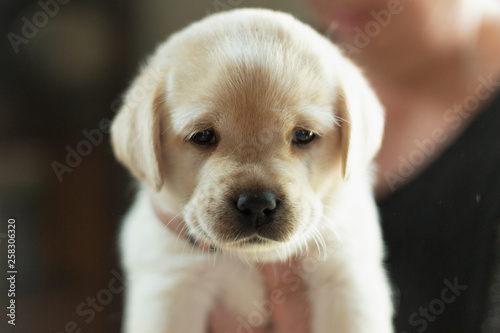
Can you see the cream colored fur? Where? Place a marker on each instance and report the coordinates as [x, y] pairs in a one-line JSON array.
[[254, 77]]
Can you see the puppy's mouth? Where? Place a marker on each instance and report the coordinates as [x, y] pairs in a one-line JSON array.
[[249, 241]]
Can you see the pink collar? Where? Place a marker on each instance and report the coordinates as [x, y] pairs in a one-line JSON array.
[[177, 226]]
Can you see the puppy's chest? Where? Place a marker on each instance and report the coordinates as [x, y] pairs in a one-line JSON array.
[[238, 285]]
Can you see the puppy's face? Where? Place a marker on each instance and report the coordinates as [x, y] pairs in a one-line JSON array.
[[246, 135], [252, 151]]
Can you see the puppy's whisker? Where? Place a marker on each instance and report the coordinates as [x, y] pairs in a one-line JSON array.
[[179, 236], [213, 254], [304, 248], [306, 243], [289, 245], [313, 236], [173, 218], [185, 244], [333, 214], [294, 249], [332, 229], [299, 247], [321, 239]]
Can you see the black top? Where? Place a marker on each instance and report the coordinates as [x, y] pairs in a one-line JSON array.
[[441, 233]]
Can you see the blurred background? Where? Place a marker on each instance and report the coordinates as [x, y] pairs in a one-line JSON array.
[[63, 67]]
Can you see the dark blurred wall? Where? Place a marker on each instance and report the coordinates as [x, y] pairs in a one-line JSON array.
[[63, 63]]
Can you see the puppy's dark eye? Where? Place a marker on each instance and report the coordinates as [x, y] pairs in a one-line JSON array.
[[205, 137], [303, 136]]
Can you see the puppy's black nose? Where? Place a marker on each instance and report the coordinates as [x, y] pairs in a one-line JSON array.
[[256, 209]]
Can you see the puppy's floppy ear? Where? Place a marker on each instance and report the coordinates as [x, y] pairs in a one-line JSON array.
[[362, 120], [135, 132]]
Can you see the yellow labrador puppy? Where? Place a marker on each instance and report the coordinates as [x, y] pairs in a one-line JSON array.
[[257, 133]]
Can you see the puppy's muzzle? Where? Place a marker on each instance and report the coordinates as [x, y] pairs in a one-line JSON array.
[[255, 210]]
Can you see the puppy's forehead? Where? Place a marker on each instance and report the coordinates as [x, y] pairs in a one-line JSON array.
[[258, 78]]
